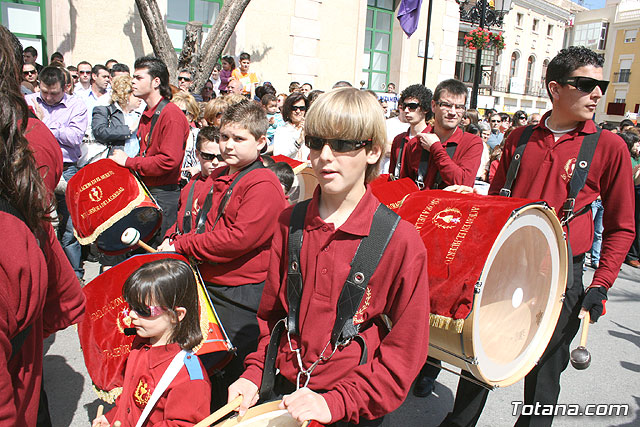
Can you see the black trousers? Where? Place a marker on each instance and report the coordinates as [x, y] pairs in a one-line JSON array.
[[634, 250], [167, 198], [237, 307], [542, 384]]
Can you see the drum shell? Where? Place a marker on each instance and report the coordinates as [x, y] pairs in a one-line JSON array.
[[277, 418], [525, 228]]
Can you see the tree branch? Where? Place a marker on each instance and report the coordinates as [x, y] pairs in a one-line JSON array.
[[158, 35]]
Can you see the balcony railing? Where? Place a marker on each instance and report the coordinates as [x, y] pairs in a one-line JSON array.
[[515, 85], [616, 108], [622, 76]]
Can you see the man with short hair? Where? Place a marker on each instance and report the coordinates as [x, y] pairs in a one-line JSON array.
[[554, 150], [66, 116], [162, 144], [306, 88], [96, 95], [30, 74], [234, 86], [73, 70], [109, 64], [57, 57], [496, 137], [30, 55], [119, 70], [185, 82], [249, 80], [534, 119], [84, 78]]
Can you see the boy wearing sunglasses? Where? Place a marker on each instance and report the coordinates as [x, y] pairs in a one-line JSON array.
[[231, 233], [322, 377], [575, 85]]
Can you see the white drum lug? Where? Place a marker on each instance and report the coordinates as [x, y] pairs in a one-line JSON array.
[[478, 287]]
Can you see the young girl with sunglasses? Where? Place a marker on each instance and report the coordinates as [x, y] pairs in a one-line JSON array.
[[163, 307], [336, 380]]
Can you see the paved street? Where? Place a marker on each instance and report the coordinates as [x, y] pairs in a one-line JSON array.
[[613, 377]]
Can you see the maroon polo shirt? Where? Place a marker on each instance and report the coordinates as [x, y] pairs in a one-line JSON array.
[[198, 181], [545, 173], [163, 160], [461, 169], [46, 151], [398, 288], [236, 252]]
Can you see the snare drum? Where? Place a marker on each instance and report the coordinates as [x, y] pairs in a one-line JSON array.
[[105, 199], [265, 415], [105, 346], [497, 273]]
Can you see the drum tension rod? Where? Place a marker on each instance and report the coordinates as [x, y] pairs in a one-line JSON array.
[[478, 287], [470, 360], [470, 379]]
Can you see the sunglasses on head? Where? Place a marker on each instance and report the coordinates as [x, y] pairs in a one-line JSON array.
[[146, 310], [336, 145], [210, 156], [298, 107], [29, 72], [587, 84], [412, 106]]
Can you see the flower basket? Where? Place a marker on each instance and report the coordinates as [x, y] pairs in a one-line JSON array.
[[480, 38]]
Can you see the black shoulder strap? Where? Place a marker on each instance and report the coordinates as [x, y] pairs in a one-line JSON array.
[[294, 273], [396, 173], [201, 219], [363, 266], [580, 172], [422, 168], [20, 337], [186, 219], [451, 150], [514, 166], [154, 119]]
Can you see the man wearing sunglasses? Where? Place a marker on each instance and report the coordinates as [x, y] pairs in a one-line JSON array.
[[414, 103], [575, 85], [495, 139], [84, 78]]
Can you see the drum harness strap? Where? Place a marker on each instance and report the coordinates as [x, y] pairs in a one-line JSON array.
[[201, 218], [396, 172], [578, 178], [424, 165], [186, 219], [363, 266], [154, 119]]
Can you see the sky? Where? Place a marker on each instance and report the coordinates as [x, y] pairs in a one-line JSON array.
[[594, 4]]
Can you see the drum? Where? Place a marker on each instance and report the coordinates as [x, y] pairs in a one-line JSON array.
[[305, 182], [497, 274], [265, 415], [105, 345], [105, 199]]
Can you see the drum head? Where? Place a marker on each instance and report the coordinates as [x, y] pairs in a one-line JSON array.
[[518, 306], [146, 218]]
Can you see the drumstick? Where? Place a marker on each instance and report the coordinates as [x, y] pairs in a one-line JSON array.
[[117, 424], [234, 404], [580, 356], [131, 237], [100, 411]]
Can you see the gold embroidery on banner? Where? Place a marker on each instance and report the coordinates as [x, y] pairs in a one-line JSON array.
[[97, 208], [447, 218], [106, 308], [142, 394], [96, 194], [358, 317], [425, 214], [462, 234], [95, 181], [117, 352]]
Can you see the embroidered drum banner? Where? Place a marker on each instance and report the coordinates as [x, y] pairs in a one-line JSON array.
[[392, 193]]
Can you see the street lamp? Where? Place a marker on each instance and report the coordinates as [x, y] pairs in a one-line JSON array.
[[483, 13]]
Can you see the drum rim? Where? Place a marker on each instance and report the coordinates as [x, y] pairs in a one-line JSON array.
[[252, 412], [469, 331]]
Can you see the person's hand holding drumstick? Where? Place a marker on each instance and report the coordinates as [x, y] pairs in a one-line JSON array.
[[249, 392]]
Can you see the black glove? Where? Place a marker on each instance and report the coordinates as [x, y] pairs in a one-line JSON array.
[[594, 301]]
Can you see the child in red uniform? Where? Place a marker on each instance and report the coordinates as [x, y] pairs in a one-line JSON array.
[[231, 234], [162, 297], [345, 132]]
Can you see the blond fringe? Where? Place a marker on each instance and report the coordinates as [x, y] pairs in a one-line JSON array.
[[115, 218], [108, 396], [442, 322]]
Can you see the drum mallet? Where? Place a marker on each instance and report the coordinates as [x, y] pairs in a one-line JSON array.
[[234, 404], [580, 356], [131, 237]]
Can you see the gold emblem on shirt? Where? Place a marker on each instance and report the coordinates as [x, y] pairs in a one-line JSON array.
[[142, 394], [569, 167]]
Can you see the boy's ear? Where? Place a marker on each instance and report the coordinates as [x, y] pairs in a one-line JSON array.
[[181, 312], [374, 154], [262, 141]]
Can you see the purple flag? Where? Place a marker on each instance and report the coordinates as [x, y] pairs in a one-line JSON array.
[[408, 15]]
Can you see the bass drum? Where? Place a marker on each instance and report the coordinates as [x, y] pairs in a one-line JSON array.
[[497, 272], [265, 415]]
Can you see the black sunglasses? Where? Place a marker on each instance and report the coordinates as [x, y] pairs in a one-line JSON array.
[[210, 156], [298, 107], [84, 72], [29, 72], [412, 106], [336, 145], [186, 79], [587, 84]]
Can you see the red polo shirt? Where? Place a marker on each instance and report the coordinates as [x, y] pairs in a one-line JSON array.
[[399, 288], [46, 150], [198, 181], [461, 169], [545, 173], [163, 160], [237, 251]]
